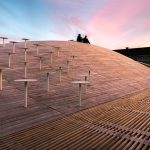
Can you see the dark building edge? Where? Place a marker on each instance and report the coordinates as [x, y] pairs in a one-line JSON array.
[[141, 54]]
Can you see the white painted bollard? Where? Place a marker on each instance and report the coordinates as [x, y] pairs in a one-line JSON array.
[[1, 80], [14, 46], [26, 89], [3, 38], [80, 89], [25, 42]]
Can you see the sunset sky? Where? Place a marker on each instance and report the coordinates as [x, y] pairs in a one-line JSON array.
[[112, 24]]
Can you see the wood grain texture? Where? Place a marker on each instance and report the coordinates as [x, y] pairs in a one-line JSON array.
[[118, 125], [117, 76]]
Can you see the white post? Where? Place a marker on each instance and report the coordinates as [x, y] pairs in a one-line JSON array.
[[3, 38], [13, 47], [79, 94], [85, 84], [3, 42], [51, 58], [73, 60], [1, 79], [68, 66], [37, 50], [58, 53], [25, 89], [25, 44], [25, 54], [9, 60], [89, 75], [25, 70], [57, 49], [60, 72], [48, 82], [26, 94], [40, 63]]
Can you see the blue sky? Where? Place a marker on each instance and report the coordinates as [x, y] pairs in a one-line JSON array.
[[108, 23]]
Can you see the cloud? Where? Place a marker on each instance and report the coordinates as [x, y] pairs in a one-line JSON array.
[[108, 23], [119, 21], [71, 17]]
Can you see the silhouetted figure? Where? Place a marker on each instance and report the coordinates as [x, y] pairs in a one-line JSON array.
[[85, 40], [79, 38]]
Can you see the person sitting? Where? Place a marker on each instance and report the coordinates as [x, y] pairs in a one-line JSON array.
[[85, 40], [79, 38]]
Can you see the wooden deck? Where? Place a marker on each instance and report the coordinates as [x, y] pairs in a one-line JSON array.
[[123, 124], [116, 76]]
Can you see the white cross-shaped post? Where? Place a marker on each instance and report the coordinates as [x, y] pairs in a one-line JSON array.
[[3, 38], [25, 42], [26, 89], [14, 46], [80, 88]]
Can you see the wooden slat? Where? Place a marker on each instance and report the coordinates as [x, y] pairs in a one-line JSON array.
[[116, 125]]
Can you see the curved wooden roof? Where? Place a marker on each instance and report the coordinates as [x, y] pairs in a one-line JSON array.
[[116, 76]]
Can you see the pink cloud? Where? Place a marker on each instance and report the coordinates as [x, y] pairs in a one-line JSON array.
[[117, 21], [111, 23]]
